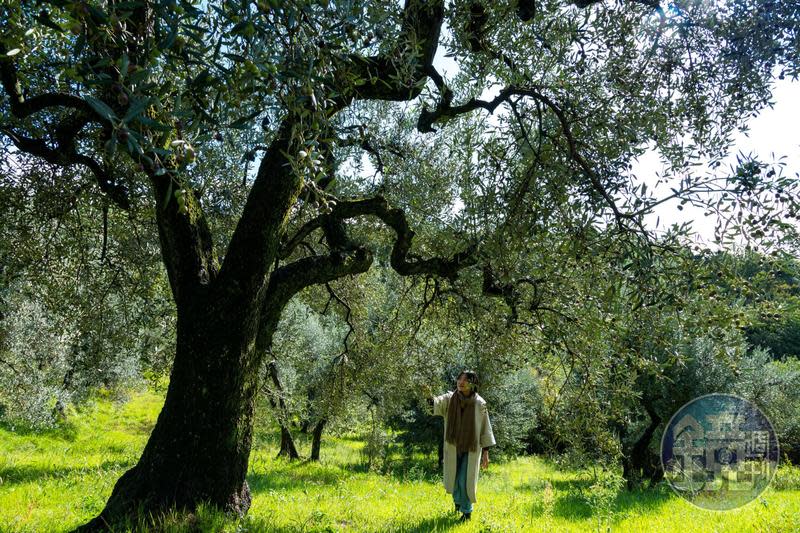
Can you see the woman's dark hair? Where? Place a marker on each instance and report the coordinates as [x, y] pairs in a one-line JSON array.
[[472, 377]]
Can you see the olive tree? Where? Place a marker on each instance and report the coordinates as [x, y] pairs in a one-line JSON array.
[[135, 92], [83, 298]]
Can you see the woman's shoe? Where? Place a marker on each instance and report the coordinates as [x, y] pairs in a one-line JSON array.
[[465, 517], [457, 509]]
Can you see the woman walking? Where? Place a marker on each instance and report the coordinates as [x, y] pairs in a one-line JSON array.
[[467, 435]]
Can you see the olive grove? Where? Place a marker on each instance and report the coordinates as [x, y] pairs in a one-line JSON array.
[[244, 130]]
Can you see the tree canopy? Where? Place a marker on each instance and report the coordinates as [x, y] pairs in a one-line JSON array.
[[504, 183]]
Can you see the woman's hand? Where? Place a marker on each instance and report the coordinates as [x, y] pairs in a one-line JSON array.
[[485, 459]]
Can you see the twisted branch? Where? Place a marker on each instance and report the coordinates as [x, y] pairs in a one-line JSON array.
[[444, 111], [65, 153], [396, 219], [117, 192]]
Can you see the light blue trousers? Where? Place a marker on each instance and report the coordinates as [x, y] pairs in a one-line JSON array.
[[460, 490]]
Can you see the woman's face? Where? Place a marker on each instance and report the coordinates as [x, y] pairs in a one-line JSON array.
[[464, 386]]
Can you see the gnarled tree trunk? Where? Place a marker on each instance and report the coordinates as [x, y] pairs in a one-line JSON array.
[[316, 443], [639, 462], [200, 445], [287, 448], [307, 417], [227, 314]]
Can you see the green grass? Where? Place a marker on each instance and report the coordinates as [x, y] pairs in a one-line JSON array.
[[56, 480]]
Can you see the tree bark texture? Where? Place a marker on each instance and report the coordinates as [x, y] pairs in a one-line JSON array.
[[639, 462], [288, 447], [316, 443], [200, 446], [199, 449]]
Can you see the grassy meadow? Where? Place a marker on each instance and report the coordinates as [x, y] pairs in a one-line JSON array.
[[56, 480]]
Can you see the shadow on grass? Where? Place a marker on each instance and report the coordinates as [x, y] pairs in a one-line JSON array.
[[571, 499], [564, 485], [211, 520], [436, 523], [66, 431], [646, 500], [296, 475], [26, 474], [572, 506], [401, 469]]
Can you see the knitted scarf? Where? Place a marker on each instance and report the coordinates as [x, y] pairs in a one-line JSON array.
[[461, 422]]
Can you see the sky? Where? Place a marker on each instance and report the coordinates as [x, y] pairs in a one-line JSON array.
[[773, 131]]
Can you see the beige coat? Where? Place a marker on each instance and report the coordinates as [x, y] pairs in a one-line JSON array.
[[483, 432]]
